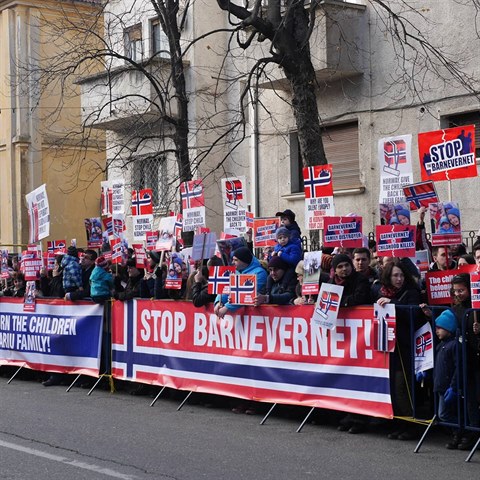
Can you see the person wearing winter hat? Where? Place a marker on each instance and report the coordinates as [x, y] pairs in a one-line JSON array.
[[281, 283], [132, 289], [101, 281], [153, 282], [403, 216], [445, 226], [445, 372], [289, 251], [287, 220], [245, 263]]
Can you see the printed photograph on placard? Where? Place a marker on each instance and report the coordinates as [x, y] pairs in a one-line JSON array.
[[401, 214], [386, 212], [445, 221], [312, 268], [93, 229]]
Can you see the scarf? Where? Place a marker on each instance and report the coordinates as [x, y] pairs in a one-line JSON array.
[[389, 292]]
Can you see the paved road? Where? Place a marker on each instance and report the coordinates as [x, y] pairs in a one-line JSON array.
[[46, 433]]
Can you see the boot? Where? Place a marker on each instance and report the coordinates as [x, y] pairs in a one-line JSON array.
[[454, 442]]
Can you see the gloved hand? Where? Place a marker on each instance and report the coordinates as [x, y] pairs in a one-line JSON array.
[[450, 396], [420, 376]]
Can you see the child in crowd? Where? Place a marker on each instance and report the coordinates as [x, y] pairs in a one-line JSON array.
[[101, 281], [287, 220], [289, 251]]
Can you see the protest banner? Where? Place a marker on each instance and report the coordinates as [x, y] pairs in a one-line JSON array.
[[142, 202], [423, 356], [166, 237], [193, 205], [342, 232], [254, 353], [38, 214], [106, 198], [327, 306], [242, 289], [264, 231], [384, 327], [439, 284], [395, 165], [420, 194], [219, 279], [59, 336], [94, 233], [311, 272], [57, 247], [151, 239], [234, 198], [118, 199], [141, 224], [395, 240], [447, 154], [140, 255], [318, 187], [422, 261], [475, 289], [445, 219]]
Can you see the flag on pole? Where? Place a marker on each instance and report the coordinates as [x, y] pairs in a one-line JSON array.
[[420, 194]]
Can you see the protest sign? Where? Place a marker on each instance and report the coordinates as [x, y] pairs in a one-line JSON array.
[[395, 240], [38, 214], [234, 204], [318, 187], [343, 232], [264, 231]]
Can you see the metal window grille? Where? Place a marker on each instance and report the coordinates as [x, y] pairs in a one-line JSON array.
[[151, 172]]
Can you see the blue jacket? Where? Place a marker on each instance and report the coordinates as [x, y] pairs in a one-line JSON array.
[[72, 273], [101, 283], [291, 253], [253, 268]]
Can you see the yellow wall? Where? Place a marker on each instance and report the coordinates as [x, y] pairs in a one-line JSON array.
[[40, 134]]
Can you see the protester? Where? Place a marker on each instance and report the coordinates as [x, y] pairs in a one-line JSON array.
[[440, 260], [281, 284], [361, 262], [398, 287], [244, 262], [356, 289], [200, 295], [87, 262], [132, 289], [466, 259], [18, 288], [101, 281], [287, 220], [289, 251], [53, 286], [152, 285], [72, 272]]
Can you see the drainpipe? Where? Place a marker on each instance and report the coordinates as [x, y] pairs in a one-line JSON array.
[[254, 154]]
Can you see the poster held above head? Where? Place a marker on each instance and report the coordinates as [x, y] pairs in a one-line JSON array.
[[234, 204], [93, 230], [395, 166], [343, 232], [141, 224], [227, 246], [193, 205], [395, 240], [264, 231], [318, 186], [38, 214], [420, 194], [166, 238], [142, 202], [204, 246], [447, 154], [446, 226]]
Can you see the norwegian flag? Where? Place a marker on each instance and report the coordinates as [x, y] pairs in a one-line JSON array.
[[423, 343], [317, 181], [192, 194], [57, 247], [151, 239], [219, 279], [329, 301], [177, 229], [106, 196], [395, 152], [108, 225], [420, 194], [249, 216], [242, 289], [234, 190], [118, 226], [142, 202]]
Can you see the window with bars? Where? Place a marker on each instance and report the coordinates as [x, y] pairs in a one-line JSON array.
[[341, 148], [151, 172], [462, 119], [133, 43], [159, 40]]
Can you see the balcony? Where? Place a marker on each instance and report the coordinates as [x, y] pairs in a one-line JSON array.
[[123, 96], [337, 43]]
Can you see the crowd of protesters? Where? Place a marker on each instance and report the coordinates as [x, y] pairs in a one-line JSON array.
[[366, 278]]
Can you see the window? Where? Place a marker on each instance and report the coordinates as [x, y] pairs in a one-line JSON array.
[[159, 40], [151, 172], [133, 43], [471, 118], [341, 148]]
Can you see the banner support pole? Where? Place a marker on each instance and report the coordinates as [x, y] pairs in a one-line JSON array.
[[470, 455], [73, 383], [184, 401], [305, 420], [264, 419], [419, 444], [158, 396], [15, 374]]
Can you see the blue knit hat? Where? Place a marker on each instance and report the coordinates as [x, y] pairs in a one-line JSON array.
[[403, 212], [444, 220], [394, 221], [447, 320], [282, 231], [453, 211]]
